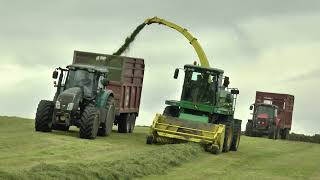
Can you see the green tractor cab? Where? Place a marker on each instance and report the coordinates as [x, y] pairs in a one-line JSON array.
[[204, 114], [81, 100]]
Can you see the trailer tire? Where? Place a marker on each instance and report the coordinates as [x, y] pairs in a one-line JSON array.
[[132, 122], [89, 123], [43, 120], [172, 111], [124, 123], [285, 133]]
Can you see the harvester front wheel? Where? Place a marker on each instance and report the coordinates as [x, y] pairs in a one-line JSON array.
[[228, 122], [43, 120], [89, 123], [171, 111], [150, 139]]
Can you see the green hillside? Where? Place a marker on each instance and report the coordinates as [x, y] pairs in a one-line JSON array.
[[26, 154]]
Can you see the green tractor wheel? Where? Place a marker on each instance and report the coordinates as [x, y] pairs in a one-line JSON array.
[[228, 134], [106, 127], [43, 120], [89, 123]]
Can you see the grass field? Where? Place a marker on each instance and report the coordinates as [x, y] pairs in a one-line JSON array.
[[26, 154]]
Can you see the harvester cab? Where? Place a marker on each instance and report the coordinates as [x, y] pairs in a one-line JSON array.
[[204, 113], [81, 100]]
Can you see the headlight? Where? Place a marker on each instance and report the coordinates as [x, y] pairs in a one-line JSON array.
[[70, 106], [57, 104]]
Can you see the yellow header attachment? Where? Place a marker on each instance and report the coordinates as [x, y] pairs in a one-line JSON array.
[[193, 41]]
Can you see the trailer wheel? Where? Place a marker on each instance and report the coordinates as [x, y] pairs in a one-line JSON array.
[[124, 123], [89, 123], [132, 122], [285, 133], [43, 120]]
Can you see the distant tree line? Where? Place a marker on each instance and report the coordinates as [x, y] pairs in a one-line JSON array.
[[305, 138]]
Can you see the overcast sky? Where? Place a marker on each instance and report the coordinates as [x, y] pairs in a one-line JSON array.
[[268, 45]]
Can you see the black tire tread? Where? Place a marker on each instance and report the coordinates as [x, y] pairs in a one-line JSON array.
[[44, 114], [87, 123]]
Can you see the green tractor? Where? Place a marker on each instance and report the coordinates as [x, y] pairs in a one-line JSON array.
[[205, 113], [81, 100]]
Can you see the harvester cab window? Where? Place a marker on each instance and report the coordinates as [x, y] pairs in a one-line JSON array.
[[199, 87]]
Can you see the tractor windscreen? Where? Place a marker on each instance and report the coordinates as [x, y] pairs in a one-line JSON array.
[[269, 110], [81, 78], [199, 87]]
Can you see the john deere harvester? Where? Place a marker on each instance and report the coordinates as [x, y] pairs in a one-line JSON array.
[[205, 112]]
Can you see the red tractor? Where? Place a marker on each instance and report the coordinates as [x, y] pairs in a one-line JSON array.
[[272, 115]]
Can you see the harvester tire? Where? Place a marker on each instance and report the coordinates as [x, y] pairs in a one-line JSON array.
[[132, 122], [228, 122], [150, 139], [43, 120], [89, 123], [172, 111], [60, 127], [236, 140], [124, 123], [249, 127], [105, 128]]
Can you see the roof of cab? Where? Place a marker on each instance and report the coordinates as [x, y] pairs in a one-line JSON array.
[[220, 71]]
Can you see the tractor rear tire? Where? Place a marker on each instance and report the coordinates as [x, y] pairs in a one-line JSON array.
[[43, 120], [105, 128], [60, 127], [124, 123], [132, 122], [249, 127], [89, 123], [172, 111]]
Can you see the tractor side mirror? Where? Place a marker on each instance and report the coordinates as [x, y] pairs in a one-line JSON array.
[[251, 107], [176, 74], [105, 82], [234, 91], [226, 81], [55, 74]]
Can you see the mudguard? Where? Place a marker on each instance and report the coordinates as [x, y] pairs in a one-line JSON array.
[[102, 98]]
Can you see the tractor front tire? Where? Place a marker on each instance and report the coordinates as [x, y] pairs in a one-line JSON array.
[[43, 120], [149, 139], [249, 127], [272, 132], [89, 123]]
